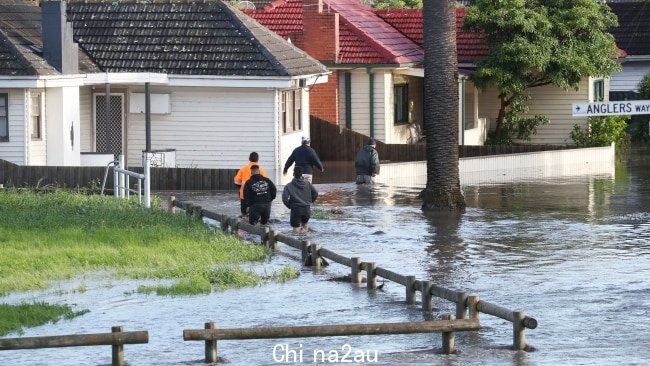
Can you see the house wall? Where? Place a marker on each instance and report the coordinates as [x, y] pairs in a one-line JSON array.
[[360, 91], [62, 128], [210, 127], [87, 132], [326, 99], [405, 133], [289, 141], [36, 148], [550, 101], [628, 79], [14, 150]]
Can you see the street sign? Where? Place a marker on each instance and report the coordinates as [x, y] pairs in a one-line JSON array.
[[625, 107]]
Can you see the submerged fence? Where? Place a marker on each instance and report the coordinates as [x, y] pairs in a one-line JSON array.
[[467, 305]]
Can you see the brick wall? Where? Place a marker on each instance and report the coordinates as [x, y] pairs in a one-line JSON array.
[[324, 100]]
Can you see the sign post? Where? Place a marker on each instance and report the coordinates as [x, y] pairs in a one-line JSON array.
[[624, 107]]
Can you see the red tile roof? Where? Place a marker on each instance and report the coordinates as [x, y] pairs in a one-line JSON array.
[[469, 45], [363, 36]]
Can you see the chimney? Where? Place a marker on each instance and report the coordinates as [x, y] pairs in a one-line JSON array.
[[321, 29], [59, 49]]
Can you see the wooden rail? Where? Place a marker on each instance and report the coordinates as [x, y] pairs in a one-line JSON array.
[[117, 338], [314, 252], [211, 334]]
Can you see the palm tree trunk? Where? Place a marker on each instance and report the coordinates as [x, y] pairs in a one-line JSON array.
[[441, 107]]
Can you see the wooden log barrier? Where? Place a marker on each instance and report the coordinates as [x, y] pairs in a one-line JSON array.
[[170, 204], [334, 257], [461, 305], [117, 339], [315, 257], [395, 277], [371, 275], [210, 344], [304, 250], [290, 241], [215, 216], [410, 290], [435, 326], [264, 237], [427, 304], [448, 346], [273, 239]]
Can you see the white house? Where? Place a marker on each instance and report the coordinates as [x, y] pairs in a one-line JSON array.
[[74, 80]]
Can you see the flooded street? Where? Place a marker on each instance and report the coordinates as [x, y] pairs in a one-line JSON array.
[[574, 253]]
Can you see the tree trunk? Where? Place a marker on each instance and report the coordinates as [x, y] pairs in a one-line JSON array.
[[441, 107]]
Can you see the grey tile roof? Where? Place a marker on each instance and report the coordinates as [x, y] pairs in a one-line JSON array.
[[633, 33], [202, 37]]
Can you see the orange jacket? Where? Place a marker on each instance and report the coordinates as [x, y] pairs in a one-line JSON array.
[[244, 174]]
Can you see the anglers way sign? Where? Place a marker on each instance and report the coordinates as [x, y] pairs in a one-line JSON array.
[[626, 107]]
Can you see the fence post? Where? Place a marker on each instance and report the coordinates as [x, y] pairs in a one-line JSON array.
[[210, 345], [371, 275], [304, 248], [426, 296], [196, 212], [273, 241], [264, 237], [518, 328], [170, 204], [147, 183], [410, 290], [315, 257], [118, 349], [355, 274], [448, 338], [224, 224], [122, 176], [461, 306], [472, 305]]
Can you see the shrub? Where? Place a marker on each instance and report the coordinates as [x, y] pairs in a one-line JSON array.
[[602, 131]]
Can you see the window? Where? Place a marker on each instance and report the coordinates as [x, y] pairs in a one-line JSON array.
[[401, 103], [599, 90], [291, 111], [35, 115], [4, 117]]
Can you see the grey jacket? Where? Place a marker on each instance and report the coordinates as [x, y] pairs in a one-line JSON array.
[[299, 193], [367, 161]]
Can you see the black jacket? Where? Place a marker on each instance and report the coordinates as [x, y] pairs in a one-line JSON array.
[[259, 189], [305, 157], [367, 161], [299, 193]]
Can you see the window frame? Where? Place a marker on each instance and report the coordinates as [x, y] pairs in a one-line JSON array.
[[38, 136], [401, 104], [4, 113], [291, 110], [599, 90]]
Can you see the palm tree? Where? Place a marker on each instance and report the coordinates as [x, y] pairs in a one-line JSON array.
[[441, 107]]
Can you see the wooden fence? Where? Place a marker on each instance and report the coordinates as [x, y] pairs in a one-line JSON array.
[[334, 143], [162, 179], [313, 255], [117, 339]]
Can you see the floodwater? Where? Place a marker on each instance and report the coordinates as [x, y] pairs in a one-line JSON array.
[[574, 253]]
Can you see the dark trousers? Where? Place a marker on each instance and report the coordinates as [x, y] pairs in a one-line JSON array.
[[259, 212], [299, 215]]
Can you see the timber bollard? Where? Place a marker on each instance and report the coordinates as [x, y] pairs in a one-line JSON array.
[[304, 249], [410, 290], [448, 338], [118, 349], [224, 225], [210, 345], [355, 274], [461, 306], [170, 204], [196, 212], [273, 239], [427, 296], [315, 257], [518, 330], [472, 305], [264, 237], [371, 275]]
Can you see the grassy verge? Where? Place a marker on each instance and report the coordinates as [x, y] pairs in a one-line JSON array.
[[55, 236], [221, 279], [17, 317]]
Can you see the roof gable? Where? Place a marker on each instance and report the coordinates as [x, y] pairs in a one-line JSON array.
[[633, 32], [182, 37]]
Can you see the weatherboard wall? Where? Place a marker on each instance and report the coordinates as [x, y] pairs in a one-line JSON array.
[[14, 149]]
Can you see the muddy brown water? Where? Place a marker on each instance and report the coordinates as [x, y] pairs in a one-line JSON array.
[[572, 252]]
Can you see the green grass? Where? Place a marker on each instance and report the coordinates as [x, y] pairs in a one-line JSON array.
[[326, 214], [55, 236], [220, 279], [17, 317]]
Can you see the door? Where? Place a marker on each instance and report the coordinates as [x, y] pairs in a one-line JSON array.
[[109, 130]]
